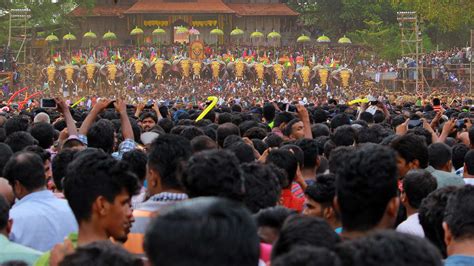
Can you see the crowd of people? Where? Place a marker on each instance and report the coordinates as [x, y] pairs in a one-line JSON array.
[[253, 181]]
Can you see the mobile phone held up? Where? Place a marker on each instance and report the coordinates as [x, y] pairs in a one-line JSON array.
[[414, 123], [48, 103]]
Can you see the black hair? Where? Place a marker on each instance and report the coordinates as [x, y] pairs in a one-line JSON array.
[[417, 185], [269, 112], [190, 132], [101, 135], [137, 160], [307, 256], [412, 147], [296, 150], [323, 190], [340, 120], [389, 248], [262, 187], [151, 115], [459, 213], [469, 162], [367, 117], [285, 160], [439, 154], [365, 183], [5, 154], [259, 145], [320, 130], [59, 166], [379, 117], [167, 124], [310, 150], [44, 133], [273, 217], [304, 230], [167, 154], [27, 168], [319, 116], [4, 213], [225, 130], [201, 143], [20, 140], [282, 117], [43, 154], [224, 118], [246, 125], [101, 253], [337, 157], [459, 151], [242, 151], [255, 133], [220, 232], [431, 215], [273, 140], [344, 135], [214, 173], [94, 173], [15, 124], [422, 132]]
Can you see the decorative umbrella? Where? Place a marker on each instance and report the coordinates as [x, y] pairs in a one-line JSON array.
[[302, 39], [109, 36], [158, 32], [194, 32], [323, 39], [68, 38], [274, 35], [51, 39], [182, 30], [256, 35], [137, 32], [90, 36], [236, 33], [344, 40], [218, 32]]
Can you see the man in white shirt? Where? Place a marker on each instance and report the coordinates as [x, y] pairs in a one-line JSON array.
[[417, 184]]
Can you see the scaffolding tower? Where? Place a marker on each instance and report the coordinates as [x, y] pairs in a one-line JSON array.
[[18, 33], [412, 47]]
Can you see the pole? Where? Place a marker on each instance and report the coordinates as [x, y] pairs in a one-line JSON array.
[[470, 63], [9, 28]]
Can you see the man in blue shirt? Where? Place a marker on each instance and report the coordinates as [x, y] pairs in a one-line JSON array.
[[458, 228], [40, 220]]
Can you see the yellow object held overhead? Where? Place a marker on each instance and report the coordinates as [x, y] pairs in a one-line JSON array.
[[209, 108]]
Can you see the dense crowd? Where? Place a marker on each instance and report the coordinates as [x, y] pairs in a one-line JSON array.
[[281, 181]]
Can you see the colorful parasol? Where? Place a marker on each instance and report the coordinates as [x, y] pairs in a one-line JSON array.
[[237, 32], [344, 40], [323, 39]]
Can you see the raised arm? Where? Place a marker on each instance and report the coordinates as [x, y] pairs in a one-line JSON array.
[[99, 106], [64, 109], [127, 131], [304, 117]]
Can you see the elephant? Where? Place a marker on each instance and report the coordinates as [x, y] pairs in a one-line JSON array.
[[51, 74], [111, 72], [342, 75], [160, 68], [70, 74], [90, 71], [215, 69], [239, 70], [321, 74], [304, 74], [139, 68]]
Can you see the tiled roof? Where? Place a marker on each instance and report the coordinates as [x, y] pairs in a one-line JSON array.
[[99, 11], [182, 7], [263, 10]]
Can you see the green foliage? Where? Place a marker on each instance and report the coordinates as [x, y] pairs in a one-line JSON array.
[[373, 23]]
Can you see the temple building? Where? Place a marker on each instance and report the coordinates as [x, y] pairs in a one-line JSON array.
[[202, 15]]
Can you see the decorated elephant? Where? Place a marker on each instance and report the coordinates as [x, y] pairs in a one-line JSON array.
[[343, 75], [320, 73], [139, 68], [160, 68], [112, 74], [70, 75], [51, 75], [239, 70], [215, 69], [197, 68], [304, 76], [90, 72]]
